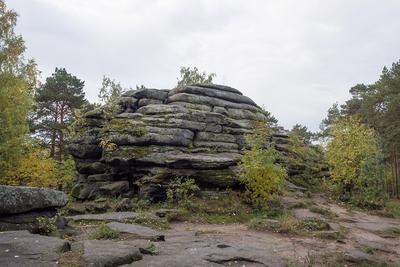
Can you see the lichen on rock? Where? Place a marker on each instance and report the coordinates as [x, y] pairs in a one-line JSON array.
[[195, 131]]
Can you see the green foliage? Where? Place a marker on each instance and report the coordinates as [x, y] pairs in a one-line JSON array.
[[12, 48], [104, 232], [150, 220], [38, 170], [17, 80], [302, 133], [392, 209], [377, 106], [191, 76], [333, 116], [214, 207], [287, 223], [78, 126], [357, 165], [55, 102], [352, 143], [306, 160], [14, 107], [124, 126], [65, 174], [109, 94], [312, 224], [258, 169], [270, 120], [181, 189], [369, 189], [45, 225], [150, 250]]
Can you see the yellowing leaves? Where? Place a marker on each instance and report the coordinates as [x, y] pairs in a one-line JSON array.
[[258, 170], [38, 170], [352, 143]]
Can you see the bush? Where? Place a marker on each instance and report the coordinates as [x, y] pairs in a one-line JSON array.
[[181, 189], [392, 209], [308, 159], [369, 189], [259, 172], [38, 170], [357, 169], [104, 232], [45, 225], [216, 207]]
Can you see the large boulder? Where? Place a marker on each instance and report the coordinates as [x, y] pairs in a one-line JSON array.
[[20, 199], [21, 206], [195, 131]]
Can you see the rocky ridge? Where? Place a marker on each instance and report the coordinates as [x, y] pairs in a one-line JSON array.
[[195, 131]]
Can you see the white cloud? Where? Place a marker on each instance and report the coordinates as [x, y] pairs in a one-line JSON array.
[[295, 57]]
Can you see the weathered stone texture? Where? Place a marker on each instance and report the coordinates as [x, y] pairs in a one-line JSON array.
[[195, 131]]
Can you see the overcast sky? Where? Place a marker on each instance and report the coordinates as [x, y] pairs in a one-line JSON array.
[[294, 57]]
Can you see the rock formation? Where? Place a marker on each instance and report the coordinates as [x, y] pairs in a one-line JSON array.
[[193, 131], [20, 206]]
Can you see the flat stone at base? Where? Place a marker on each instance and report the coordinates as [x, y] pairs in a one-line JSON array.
[[108, 217], [107, 253], [138, 230], [358, 256], [306, 214], [21, 248]]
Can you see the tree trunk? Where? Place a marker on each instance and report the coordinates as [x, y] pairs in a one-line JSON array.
[[61, 148], [54, 134]]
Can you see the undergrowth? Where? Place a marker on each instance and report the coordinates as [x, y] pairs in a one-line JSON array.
[[104, 232]]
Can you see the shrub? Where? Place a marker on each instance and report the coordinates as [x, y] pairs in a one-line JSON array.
[[217, 207], [150, 250], [259, 172], [392, 209], [150, 220], [357, 169], [351, 144], [104, 232], [369, 189], [181, 189], [307, 158], [38, 170], [45, 225]]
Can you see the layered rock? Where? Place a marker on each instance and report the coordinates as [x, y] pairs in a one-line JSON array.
[[20, 206], [195, 131], [304, 170]]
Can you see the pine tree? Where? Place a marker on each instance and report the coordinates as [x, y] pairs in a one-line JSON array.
[[56, 101]]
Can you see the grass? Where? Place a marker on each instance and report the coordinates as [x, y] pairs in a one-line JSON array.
[[390, 233], [150, 220], [223, 208], [335, 259], [303, 204], [391, 210], [71, 259], [286, 223], [104, 232], [323, 211]]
